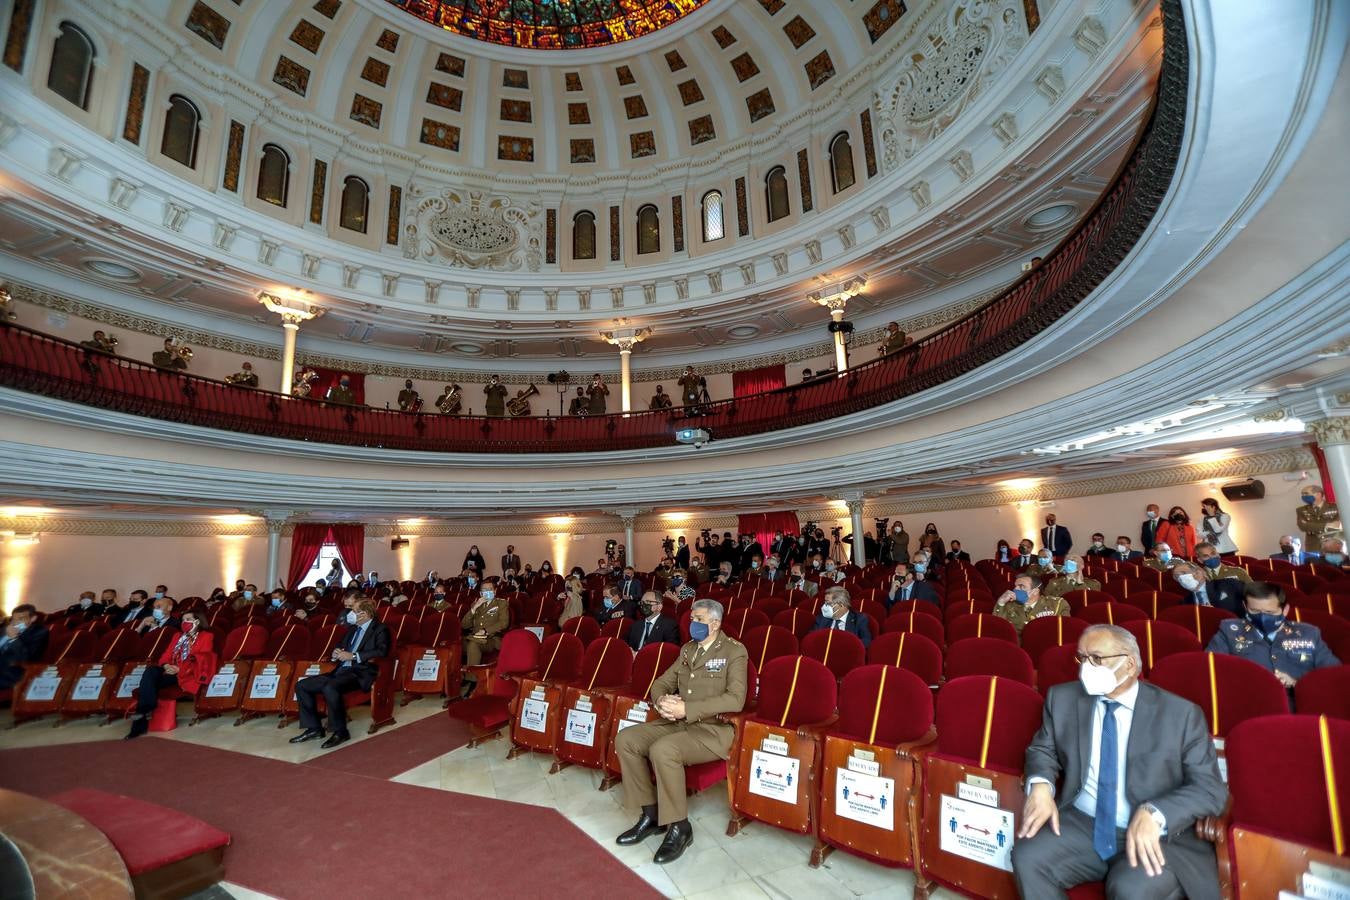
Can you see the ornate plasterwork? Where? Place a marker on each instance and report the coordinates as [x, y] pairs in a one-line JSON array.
[[474, 230], [974, 42], [1328, 432]]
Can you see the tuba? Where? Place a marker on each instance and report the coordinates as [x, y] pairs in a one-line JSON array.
[[450, 404], [520, 404]]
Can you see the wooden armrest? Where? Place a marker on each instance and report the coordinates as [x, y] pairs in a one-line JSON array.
[[1215, 830], [919, 747], [816, 730]]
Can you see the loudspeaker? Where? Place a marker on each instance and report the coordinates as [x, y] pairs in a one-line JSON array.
[[1251, 489], [398, 542]]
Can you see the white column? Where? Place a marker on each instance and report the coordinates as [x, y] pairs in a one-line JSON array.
[[840, 348], [289, 330], [292, 314], [1333, 436], [835, 298], [629, 548], [274, 527], [626, 375], [855, 510]]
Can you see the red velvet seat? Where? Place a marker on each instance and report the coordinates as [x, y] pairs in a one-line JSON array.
[[248, 641], [1153, 603], [1335, 630], [288, 642], [742, 620], [118, 645], [1056, 665], [614, 628], [537, 702], [980, 625], [70, 647], [797, 620], [1041, 634], [1114, 613], [1159, 640], [1228, 688], [989, 656], [771, 606], [837, 650], [1083, 597], [796, 706], [583, 627], [983, 727], [1338, 604], [1324, 692], [930, 627], [924, 607], [810, 606], [587, 708], [908, 650], [766, 643], [887, 714], [1202, 621], [490, 706], [954, 611]]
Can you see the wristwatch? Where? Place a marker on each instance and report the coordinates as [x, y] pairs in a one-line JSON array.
[[1157, 815]]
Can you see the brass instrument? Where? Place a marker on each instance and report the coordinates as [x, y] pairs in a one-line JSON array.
[[520, 404], [304, 383], [450, 403], [184, 352], [110, 343]]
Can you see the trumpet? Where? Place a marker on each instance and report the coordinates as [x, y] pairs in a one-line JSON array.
[[520, 404], [110, 341], [184, 352]]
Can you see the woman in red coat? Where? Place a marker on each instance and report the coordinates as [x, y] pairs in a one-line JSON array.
[[185, 665], [1178, 533]]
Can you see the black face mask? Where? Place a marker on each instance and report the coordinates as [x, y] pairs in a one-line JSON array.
[[1178, 520], [1286, 548]]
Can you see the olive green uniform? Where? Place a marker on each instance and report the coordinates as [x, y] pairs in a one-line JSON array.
[[341, 395], [710, 681], [490, 616], [167, 359], [495, 404], [1227, 571], [1019, 614], [893, 342], [1060, 586], [1317, 524]]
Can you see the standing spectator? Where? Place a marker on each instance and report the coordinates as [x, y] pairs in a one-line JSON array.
[[1178, 533], [895, 546], [1148, 531], [681, 553], [474, 558], [1317, 519], [510, 560], [1214, 524], [1056, 538], [932, 542]]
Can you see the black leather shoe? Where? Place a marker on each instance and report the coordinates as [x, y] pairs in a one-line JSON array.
[[334, 741], [646, 827], [139, 726], [309, 734], [678, 838]]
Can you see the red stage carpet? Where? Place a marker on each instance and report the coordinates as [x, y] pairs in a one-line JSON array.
[[391, 753], [301, 832]]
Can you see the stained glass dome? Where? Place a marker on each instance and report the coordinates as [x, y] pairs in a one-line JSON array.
[[550, 24]]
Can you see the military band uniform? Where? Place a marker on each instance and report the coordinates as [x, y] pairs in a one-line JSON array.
[[449, 403], [1227, 571], [1019, 614], [407, 399], [339, 393], [709, 681], [1316, 522], [495, 405], [691, 388], [244, 378], [659, 401], [493, 617], [1295, 648], [167, 359], [893, 342], [596, 393], [1060, 586]]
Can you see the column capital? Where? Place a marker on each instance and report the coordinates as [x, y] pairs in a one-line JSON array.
[[835, 297], [1330, 431], [626, 338], [293, 312]]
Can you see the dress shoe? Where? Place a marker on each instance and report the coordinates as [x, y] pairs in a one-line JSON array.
[[309, 734], [646, 827], [334, 741], [679, 836], [139, 726]]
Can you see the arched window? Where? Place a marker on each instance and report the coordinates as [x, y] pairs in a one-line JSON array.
[[182, 125], [841, 162], [583, 235], [714, 228], [355, 204], [72, 71], [274, 175], [648, 230], [776, 193]]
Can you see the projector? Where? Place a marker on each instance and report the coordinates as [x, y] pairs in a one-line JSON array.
[[696, 436]]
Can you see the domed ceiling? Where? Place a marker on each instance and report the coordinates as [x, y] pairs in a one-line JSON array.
[[550, 24]]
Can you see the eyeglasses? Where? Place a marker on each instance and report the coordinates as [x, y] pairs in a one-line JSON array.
[[1096, 658]]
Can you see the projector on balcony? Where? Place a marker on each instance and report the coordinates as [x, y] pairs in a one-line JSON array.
[[696, 436]]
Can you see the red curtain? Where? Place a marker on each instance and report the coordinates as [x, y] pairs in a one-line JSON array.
[[1325, 475], [757, 381], [306, 542], [351, 544], [330, 377], [764, 525]]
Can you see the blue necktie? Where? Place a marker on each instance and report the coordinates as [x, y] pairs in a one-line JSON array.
[[356, 642], [1104, 823]]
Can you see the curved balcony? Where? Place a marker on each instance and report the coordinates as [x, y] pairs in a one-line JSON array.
[[36, 363]]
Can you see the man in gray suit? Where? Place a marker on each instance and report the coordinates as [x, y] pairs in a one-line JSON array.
[[1136, 768]]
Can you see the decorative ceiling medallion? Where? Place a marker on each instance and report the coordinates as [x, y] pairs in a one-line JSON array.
[[475, 231], [107, 268], [741, 332], [1049, 218], [467, 349], [550, 24]]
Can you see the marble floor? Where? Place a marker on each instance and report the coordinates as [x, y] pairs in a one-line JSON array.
[[761, 861]]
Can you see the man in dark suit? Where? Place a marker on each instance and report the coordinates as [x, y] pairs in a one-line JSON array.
[[87, 608], [835, 613], [1026, 555], [630, 586], [956, 553], [681, 553], [1148, 530], [128, 611], [1124, 551], [21, 642], [1056, 537], [366, 642], [1292, 552], [750, 548], [510, 560], [905, 586], [1224, 593], [1117, 766], [652, 627]]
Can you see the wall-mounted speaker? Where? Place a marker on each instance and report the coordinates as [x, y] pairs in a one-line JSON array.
[[398, 542], [1251, 489]]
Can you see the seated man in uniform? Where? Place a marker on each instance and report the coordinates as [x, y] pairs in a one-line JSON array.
[[1207, 555], [366, 641], [1071, 580], [1333, 553], [708, 678], [483, 625], [1161, 557], [1288, 649], [1025, 602]]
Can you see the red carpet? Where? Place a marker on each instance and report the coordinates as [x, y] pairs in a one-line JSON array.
[[391, 753], [300, 832]]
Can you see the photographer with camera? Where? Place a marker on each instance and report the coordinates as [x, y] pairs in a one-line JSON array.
[[894, 543], [814, 539], [709, 545], [870, 547], [681, 553]]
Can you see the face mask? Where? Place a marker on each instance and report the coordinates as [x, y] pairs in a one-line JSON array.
[[351, 617], [1098, 680], [1151, 514], [1096, 545], [1070, 566], [1265, 622], [698, 631], [920, 568], [188, 626], [1165, 555], [159, 595], [1024, 551], [754, 565], [471, 581], [487, 595], [248, 595], [20, 627], [815, 565], [896, 530], [1334, 558], [829, 567], [157, 615], [1123, 549], [1020, 595], [827, 610], [1286, 548], [1308, 499], [276, 601], [1045, 560], [86, 602], [931, 531], [1188, 581], [676, 581], [1213, 562], [546, 570], [1177, 519], [609, 603]]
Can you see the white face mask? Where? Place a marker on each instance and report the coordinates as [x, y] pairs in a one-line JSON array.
[[351, 617], [86, 602], [1098, 680], [1122, 549], [827, 610], [1188, 581]]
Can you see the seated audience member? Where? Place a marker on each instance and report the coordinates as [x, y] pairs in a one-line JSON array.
[[650, 627], [546, 570], [602, 567], [160, 591], [184, 665], [1071, 578], [797, 581], [833, 574], [904, 586], [1291, 551], [613, 606], [835, 613], [773, 569], [708, 678], [1043, 565], [573, 597], [678, 587], [433, 578], [161, 616], [1125, 551], [1161, 557], [124, 612], [23, 641], [1002, 554], [1025, 555], [1333, 553], [630, 586], [1098, 546], [1288, 649], [956, 553], [276, 604], [366, 642], [309, 606], [1207, 555], [1224, 593], [86, 607], [483, 624], [1025, 602], [724, 574], [247, 597], [1124, 819]]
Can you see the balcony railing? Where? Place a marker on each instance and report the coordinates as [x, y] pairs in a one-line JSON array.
[[33, 362]]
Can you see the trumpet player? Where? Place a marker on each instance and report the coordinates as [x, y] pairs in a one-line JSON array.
[[495, 391], [245, 377], [172, 357], [101, 342], [342, 393]]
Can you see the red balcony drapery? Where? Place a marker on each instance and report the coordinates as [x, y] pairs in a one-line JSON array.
[[764, 525], [757, 381], [308, 539]]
